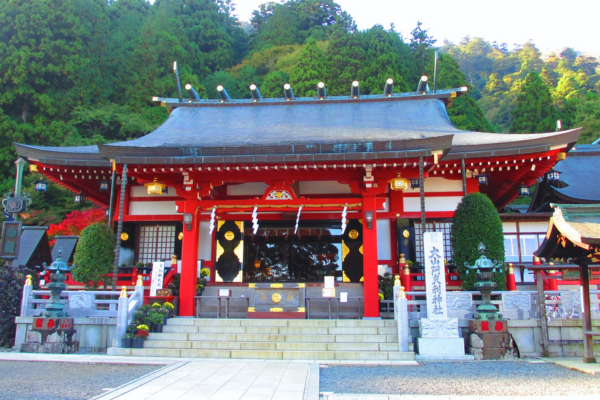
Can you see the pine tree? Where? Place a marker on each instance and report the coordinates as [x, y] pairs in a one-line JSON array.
[[272, 86], [346, 58], [311, 69], [382, 62], [534, 111]]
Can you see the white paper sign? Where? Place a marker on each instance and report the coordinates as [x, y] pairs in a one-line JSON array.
[[158, 274], [329, 282], [343, 297], [435, 278]]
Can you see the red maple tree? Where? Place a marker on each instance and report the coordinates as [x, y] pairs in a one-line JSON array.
[[75, 222]]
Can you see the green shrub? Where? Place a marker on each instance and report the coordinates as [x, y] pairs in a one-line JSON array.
[[476, 221], [94, 256]]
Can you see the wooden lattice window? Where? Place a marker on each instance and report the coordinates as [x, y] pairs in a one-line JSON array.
[[156, 243], [444, 227]]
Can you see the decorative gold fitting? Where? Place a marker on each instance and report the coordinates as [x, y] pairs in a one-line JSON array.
[[28, 281], [402, 260], [510, 269], [406, 270], [123, 291], [561, 156], [401, 293], [397, 280], [139, 281]]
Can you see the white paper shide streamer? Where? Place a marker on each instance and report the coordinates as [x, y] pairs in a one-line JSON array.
[[255, 220], [344, 213], [297, 220], [212, 220]]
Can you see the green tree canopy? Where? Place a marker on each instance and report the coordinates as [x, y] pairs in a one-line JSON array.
[[94, 255], [476, 221], [311, 69], [534, 111]]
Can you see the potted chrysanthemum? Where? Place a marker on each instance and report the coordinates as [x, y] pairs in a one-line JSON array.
[[140, 336]]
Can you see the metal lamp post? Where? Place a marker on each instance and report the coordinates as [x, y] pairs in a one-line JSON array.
[[485, 270]]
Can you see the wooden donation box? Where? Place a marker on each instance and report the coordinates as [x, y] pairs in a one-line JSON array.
[[277, 300]]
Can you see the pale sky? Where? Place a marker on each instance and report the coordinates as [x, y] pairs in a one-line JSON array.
[[551, 24]]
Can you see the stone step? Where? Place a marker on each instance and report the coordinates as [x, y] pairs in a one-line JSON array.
[[348, 338], [288, 346], [275, 330], [263, 354], [302, 323]]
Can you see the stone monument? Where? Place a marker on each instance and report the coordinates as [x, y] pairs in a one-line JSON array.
[[439, 336]]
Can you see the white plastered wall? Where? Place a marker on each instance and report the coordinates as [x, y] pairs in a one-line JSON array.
[[323, 187], [448, 203], [152, 208], [384, 245]]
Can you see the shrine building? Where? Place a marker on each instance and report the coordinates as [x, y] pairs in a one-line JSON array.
[[288, 191]]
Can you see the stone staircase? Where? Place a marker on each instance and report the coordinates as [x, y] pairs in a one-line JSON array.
[[274, 339]]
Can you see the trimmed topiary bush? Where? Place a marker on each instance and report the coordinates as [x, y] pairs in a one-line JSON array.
[[475, 221], [95, 255]]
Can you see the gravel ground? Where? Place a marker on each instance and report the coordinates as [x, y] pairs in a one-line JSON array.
[[68, 381], [475, 378]]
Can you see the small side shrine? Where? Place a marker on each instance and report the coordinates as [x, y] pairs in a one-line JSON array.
[[574, 234]]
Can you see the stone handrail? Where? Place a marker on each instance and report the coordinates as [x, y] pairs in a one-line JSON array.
[[78, 303], [513, 305], [127, 308]]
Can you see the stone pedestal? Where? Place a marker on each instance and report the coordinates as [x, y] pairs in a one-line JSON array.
[[490, 340], [51, 335], [439, 339]]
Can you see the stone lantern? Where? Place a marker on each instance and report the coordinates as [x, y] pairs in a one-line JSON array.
[[58, 270], [485, 270]]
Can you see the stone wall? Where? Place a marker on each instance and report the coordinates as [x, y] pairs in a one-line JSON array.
[[95, 335], [528, 336]]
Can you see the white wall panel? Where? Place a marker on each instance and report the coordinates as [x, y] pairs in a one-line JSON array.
[[384, 245], [509, 227], [534, 226], [152, 208], [323, 187], [449, 203], [439, 185], [204, 242], [247, 189]]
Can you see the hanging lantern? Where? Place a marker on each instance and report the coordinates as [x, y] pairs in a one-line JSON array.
[[104, 186], [155, 187], [524, 190], [553, 175], [79, 198], [482, 179], [41, 185], [399, 183]]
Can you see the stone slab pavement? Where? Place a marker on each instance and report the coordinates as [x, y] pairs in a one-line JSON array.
[[575, 363], [210, 379], [445, 397]]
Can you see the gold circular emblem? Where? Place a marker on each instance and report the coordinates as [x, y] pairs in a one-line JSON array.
[[276, 297], [406, 233], [353, 234], [180, 236], [229, 235], [124, 236]]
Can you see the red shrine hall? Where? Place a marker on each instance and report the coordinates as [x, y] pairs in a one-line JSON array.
[[284, 192]]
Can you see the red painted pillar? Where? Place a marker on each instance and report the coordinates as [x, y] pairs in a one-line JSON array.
[[189, 263], [552, 283], [371, 279], [511, 283]]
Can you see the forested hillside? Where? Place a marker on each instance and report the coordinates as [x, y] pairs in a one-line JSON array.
[[79, 72]]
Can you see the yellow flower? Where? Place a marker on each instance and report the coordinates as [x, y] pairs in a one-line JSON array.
[[143, 327]]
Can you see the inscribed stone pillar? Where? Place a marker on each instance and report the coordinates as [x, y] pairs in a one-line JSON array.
[[435, 280]]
